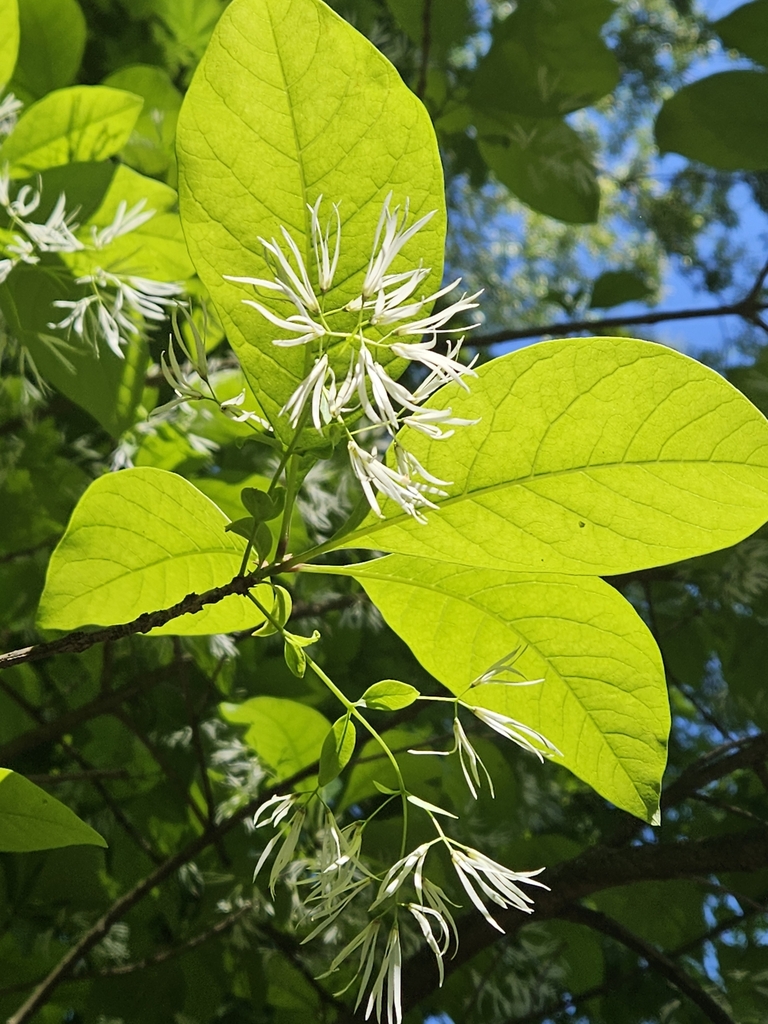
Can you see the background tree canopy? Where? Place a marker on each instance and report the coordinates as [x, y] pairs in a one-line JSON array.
[[606, 175]]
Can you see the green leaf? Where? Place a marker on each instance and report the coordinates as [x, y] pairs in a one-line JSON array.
[[140, 540], [156, 249], [338, 748], [30, 819], [615, 287], [721, 121], [547, 59], [746, 29], [84, 122], [544, 162], [603, 702], [261, 505], [9, 39], [286, 735], [107, 387], [150, 147], [389, 695], [295, 658], [592, 455], [290, 102], [51, 45]]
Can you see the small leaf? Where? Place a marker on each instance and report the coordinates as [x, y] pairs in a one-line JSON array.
[[281, 613], [242, 527], [304, 641], [295, 658], [261, 505], [30, 819], [284, 733], [337, 749], [617, 286], [385, 789], [721, 120], [84, 122], [389, 695]]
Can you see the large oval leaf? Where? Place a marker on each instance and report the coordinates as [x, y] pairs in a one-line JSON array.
[[290, 102], [84, 122], [30, 819], [138, 541], [594, 456], [51, 45], [603, 701]]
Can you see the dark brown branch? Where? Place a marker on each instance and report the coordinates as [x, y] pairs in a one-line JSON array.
[[747, 308], [81, 640], [598, 868], [58, 778], [657, 960]]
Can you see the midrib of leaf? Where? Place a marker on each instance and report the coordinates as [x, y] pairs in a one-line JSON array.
[[383, 578], [531, 478]]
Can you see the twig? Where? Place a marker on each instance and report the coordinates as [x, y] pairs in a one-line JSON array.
[[747, 310], [730, 808], [657, 960], [55, 779], [81, 641]]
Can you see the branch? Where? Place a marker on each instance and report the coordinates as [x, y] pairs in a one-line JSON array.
[[662, 964], [81, 641], [596, 869], [748, 308]]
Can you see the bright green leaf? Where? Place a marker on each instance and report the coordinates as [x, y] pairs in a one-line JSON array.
[[150, 147], [338, 748], [9, 39], [545, 163], [84, 122], [30, 819], [603, 702], [51, 45], [721, 121], [389, 695], [746, 29], [286, 735], [108, 387], [592, 455], [290, 102], [140, 540], [295, 658], [617, 286], [547, 59]]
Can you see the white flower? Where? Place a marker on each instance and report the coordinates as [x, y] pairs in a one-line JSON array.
[[279, 807], [124, 221], [412, 863], [366, 942], [501, 671], [23, 250], [56, 234], [389, 978], [326, 264], [443, 368], [301, 324], [497, 883], [391, 236], [286, 851], [397, 485], [426, 918], [525, 737], [319, 386], [433, 421], [27, 201], [9, 113], [6, 266]]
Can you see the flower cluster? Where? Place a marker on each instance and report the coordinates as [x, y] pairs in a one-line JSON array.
[[10, 107], [403, 900], [386, 322], [115, 307]]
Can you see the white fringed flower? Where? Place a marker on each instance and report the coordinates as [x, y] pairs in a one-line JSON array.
[[388, 308], [500, 885], [56, 235], [386, 989], [525, 737], [10, 107], [124, 221]]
